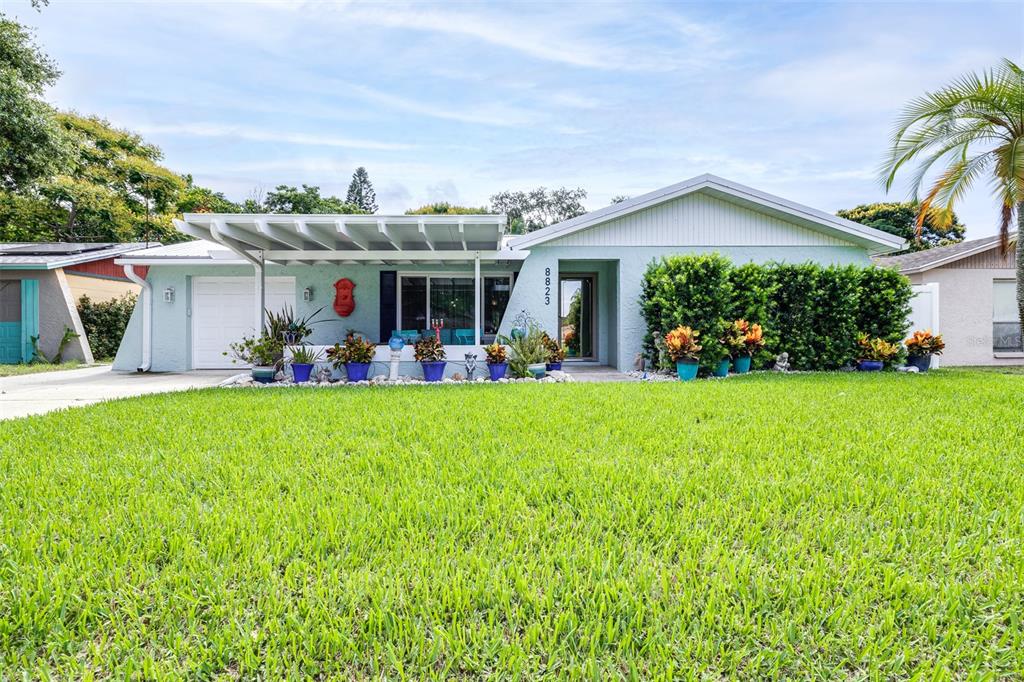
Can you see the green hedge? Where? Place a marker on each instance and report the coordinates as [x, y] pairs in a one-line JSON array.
[[105, 322], [811, 311]]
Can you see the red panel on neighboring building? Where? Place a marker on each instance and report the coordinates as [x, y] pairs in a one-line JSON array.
[[105, 268]]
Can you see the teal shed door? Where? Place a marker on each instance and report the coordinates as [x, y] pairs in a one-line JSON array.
[[19, 319]]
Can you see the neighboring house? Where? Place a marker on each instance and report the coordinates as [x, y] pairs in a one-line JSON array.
[[410, 270], [968, 293], [40, 284]]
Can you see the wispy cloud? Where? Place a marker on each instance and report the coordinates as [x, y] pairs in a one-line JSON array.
[[267, 135]]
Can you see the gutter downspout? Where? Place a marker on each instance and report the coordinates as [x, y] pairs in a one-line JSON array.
[[147, 317]]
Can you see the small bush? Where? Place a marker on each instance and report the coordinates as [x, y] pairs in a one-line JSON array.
[[104, 323]]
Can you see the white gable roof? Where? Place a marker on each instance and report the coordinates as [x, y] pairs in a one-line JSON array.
[[875, 241]]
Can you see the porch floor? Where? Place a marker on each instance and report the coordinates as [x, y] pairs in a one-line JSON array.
[[587, 372]]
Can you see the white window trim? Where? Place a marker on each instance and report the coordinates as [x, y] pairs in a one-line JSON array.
[[1003, 353], [462, 274]]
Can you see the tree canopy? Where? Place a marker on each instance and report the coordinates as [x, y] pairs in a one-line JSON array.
[[444, 208], [900, 219], [308, 200], [537, 208], [360, 191]]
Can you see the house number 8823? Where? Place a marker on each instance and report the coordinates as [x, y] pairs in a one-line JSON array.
[[547, 286]]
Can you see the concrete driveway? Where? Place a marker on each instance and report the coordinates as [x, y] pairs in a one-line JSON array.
[[47, 391]]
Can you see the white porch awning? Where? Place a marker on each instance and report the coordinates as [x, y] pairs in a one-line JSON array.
[[392, 240]]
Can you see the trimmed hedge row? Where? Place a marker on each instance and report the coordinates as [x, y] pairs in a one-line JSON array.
[[811, 311], [104, 323]]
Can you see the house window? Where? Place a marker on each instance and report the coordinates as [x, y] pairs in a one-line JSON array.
[[422, 298], [1006, 336]]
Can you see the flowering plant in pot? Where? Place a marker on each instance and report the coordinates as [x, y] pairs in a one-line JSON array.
[[497, 360], [874, 353], [302, 361], [684, 350], [429, 352], [262, 352], [753, 341], [355, 356], [554, 354], [733, 340], [921, 347]]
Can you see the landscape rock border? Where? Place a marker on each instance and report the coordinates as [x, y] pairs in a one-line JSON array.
[[245, 380]]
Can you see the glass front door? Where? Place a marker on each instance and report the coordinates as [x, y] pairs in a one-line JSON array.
[[576, 316]]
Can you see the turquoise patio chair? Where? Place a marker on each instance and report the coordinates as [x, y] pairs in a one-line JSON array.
[[464, 337], [410, 336]]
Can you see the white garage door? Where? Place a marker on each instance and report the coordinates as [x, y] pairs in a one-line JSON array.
[[224, 310]]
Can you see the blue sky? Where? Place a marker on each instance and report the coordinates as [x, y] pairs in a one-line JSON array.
[[458, 101]]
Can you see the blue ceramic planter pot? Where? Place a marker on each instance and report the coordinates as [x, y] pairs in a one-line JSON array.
[[264, 375], [497, 370], [554, 366], [741, 364], [687, 370], [301, 372], [357, 371], [722, 369], [433, 371], [922, 362], [870, 366]]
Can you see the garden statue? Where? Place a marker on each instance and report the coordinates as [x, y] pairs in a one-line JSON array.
[[638, 362], [781, 362], [324, 375], [470, 365]]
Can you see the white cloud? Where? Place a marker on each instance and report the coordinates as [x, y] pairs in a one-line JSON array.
[[266, 135]]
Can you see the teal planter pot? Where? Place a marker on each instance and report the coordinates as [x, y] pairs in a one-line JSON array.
[[264, 375], [722, 370], [686, 370], [741, 364], [537, 370]]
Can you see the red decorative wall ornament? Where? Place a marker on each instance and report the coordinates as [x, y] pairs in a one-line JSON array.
[[344, 300]]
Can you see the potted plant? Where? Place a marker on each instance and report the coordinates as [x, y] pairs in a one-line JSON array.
[[874, 353], [429, 352], [684, 350], [497, 360], [283, 325], [921, 347], [302, 361], [355, 356], [753, 341], [732, 340], [262, 352], [554, 354], [529, 354]]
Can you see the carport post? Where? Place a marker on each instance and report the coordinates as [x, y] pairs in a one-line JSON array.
[[261, 293], [479, 299]]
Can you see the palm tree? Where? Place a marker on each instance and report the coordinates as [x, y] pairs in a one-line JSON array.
[[972, 129]]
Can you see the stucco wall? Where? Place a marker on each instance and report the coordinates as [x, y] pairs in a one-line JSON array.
[[965, 313], [628, 330], [172, 324], [57, 312]]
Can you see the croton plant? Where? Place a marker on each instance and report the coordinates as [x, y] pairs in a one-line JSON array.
[[682, 344], [925, 343]]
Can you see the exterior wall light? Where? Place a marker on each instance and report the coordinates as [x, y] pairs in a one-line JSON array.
[[307, 294], [169, 295]]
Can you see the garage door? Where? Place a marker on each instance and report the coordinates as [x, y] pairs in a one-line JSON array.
[[224, 310]]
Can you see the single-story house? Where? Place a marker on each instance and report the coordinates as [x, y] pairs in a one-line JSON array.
[[404, 272], [968, 293], [40, 284]]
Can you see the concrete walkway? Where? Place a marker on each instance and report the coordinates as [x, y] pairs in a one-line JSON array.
[[38, 393], [595, 373]]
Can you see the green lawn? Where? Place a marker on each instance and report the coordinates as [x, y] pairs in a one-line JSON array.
[[37, 367], [828, 526]]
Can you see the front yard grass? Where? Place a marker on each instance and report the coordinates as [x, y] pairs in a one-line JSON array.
[[822, 526], [37, 367]]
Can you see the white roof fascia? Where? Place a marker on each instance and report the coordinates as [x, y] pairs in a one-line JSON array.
[[875, 238], [952, 258]]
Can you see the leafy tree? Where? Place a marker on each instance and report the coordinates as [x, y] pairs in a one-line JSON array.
[[31, 144], [619, 198], [285, 199], [444, 208], [900, 219], [529, 211], [196, 199], [360, 191], [972, 129]]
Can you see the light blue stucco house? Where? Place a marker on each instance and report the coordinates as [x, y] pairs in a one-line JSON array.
[[406, 271]]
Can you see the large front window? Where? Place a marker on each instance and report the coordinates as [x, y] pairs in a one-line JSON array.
[[423, 298], [1006, 336]]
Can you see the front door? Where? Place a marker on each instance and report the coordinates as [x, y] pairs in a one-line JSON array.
[[576, 318]]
